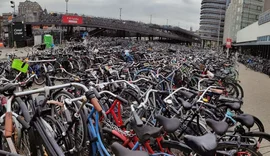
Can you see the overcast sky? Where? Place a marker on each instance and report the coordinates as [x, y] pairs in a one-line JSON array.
[[184, 12]]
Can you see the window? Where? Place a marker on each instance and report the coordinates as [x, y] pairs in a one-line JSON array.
[[259, 8]]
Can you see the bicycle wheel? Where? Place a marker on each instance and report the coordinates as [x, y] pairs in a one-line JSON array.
[[58, 128], [231, 89], [264, 145], [240, 90], [235, 150], [78, 129]]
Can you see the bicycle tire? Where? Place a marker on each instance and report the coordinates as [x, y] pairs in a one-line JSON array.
[[224, 146], [82, 123], [240, 91]]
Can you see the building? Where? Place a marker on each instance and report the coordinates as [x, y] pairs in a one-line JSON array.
[[1, 26], [240, 14], [266, 5], [255, 38], [30, 11], [6, 16], [3, 22], [212, 21]]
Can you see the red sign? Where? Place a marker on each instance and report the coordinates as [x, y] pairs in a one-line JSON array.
[[72, 19], [229, 43]]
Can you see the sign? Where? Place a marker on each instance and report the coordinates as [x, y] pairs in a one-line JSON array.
[[18, 31], [66, 19], [229, 43]]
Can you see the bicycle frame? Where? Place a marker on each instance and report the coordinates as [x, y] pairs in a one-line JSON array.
[[95, 138]]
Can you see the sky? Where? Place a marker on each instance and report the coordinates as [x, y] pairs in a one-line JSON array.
[[185, 13]]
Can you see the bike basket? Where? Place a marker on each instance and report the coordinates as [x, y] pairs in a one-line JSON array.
[[20, 65]]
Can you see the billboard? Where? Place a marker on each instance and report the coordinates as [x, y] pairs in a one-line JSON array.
[[67, 19]]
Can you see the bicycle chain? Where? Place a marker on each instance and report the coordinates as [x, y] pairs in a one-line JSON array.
[[112, 126]]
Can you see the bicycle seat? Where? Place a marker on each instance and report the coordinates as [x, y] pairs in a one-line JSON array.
[[209, 82], [8, 89], [219, 127], [233, 105], [184, 103], [204, 145], [186, 94], [227, 99], [145, 132], [119, 150], [170, 125], [245, 119]]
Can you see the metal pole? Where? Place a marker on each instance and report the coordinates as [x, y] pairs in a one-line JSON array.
[[167, 22], [14, 9], [120, 13], [67, 6], [150, 19], [219, 29]]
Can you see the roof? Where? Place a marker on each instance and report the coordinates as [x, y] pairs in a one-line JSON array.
[[254, 43]]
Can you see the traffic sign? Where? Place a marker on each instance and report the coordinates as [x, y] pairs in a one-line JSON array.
[[229, 43]]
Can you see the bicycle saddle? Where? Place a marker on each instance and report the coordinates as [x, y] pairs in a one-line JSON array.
[[209, 82], [227, 99], [204, 145], [119, 150], [233, 105], [184, 103], [170, 125], [219, 127], [187, 94], [8, 89], [245, 119], [145, 132]]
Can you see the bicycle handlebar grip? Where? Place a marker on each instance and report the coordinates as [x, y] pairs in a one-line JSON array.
[[121, 99], [96, 104], [8, 124], [23, 122], [98, 96], [90, 95], [23, 64]]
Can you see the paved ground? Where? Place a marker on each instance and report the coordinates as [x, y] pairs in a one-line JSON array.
[[257, 99], [19, 52], [257, 94]]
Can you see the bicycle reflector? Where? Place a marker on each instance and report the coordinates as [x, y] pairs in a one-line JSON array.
[[19, 65]]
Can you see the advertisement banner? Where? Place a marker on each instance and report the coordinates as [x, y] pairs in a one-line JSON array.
[[67, 19]]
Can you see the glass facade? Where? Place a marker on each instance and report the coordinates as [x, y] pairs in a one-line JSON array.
[[212, 19]]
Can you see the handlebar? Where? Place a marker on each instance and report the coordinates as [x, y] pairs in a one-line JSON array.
[[89, 94]]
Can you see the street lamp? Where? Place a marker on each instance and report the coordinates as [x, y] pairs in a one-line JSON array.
[[120, 13], [11, 26], [219, 28], [66, 6], [13, 6]]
